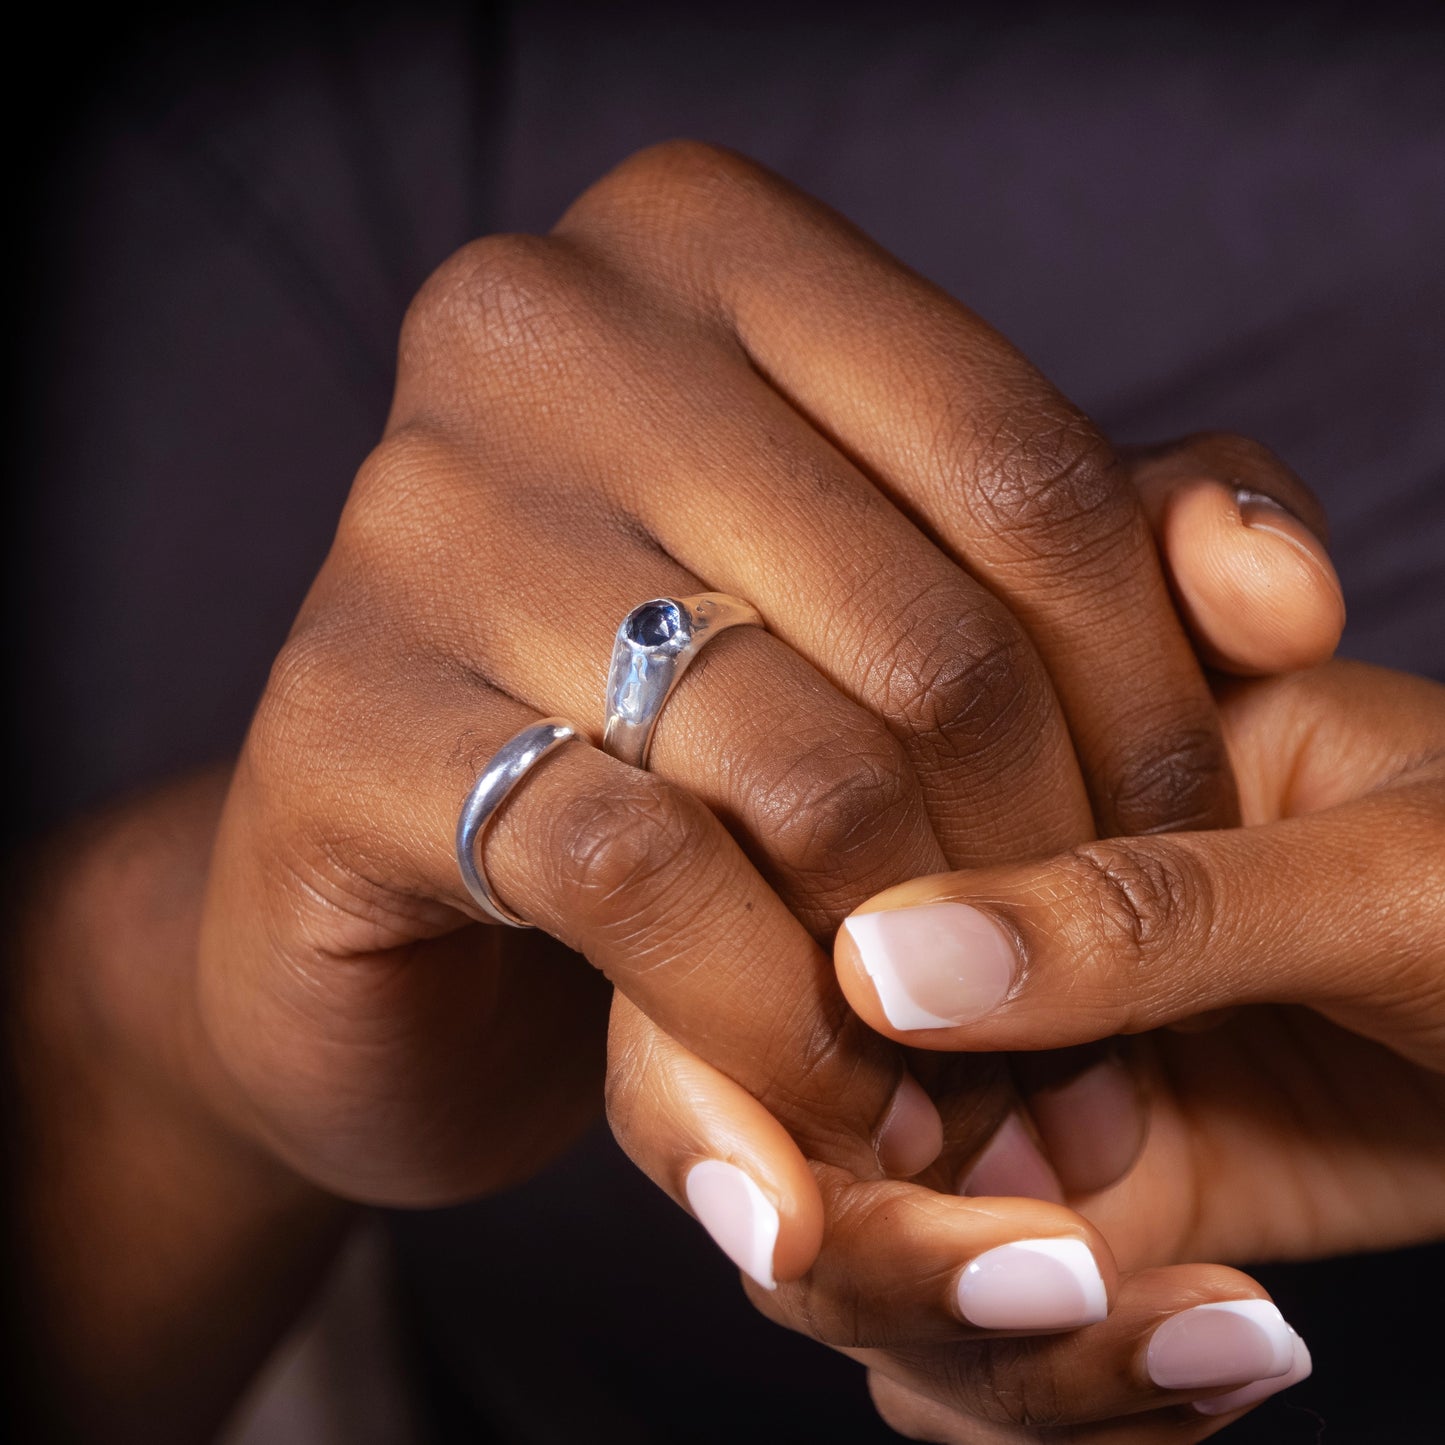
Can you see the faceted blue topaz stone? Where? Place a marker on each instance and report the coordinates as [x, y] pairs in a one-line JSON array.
[[655, 623]]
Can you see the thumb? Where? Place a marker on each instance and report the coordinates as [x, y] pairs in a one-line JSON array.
[[1241, 539], [1342, 909]]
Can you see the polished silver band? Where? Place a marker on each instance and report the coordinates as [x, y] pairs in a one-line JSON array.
[[655, 645], [507, 767]]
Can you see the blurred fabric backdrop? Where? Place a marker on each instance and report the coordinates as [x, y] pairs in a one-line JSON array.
[[1209, 217]]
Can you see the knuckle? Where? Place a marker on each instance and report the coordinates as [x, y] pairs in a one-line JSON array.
[[1143, 907], [297, 716], [835, 1318], [684, 162], [502, 297], [402, 498], [1021, 1392], [1005, 1386], [1177, 778], [970, 679], [1045, 476], [687, 179], [632, 843], [822, 1070], [387, 470], [842, 808], [668, 206], [300, 769], [1005, 1382], [832, 1312], [842, 1309]]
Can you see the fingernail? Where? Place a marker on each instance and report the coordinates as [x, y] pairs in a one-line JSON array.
[[1231, 1342], [935, 966], [911, 1135], [1260, 505], [1012, 1167], [1092, 1126], [1034, 1284], [743, 1224], [1300, 1367], [1262, 513]]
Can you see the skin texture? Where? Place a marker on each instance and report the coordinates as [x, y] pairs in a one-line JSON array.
[[1263, 537], [1342, 774], [156, 1255], [115, 1079], [636, 388], [1261, 1142], [706, 381]]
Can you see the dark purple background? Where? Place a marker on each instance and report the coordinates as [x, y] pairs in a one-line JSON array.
[[1233, 220]]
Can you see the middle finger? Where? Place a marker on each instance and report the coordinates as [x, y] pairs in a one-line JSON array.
[[667, 428]]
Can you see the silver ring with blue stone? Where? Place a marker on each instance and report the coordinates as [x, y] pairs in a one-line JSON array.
[[655, 645]]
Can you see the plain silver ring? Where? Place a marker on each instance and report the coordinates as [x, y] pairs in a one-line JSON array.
[[655, 645], [506, 768]]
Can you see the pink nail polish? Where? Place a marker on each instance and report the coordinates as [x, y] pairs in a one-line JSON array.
[[1300, 1367], [1229, 1342], [1012, 1167], [1093, 1126], [741, 1219], [1033, 1284], [936, 966], [911, 1135]]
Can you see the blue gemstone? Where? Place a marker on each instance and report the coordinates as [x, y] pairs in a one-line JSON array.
[[654, 623]]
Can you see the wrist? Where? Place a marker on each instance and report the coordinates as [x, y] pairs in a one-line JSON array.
[[157, 1240], [105, 995]]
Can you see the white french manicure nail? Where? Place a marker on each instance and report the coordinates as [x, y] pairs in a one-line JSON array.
[[1300, 1367], [1033, 1284], [1226, 1342], [738, 1215], [934, 966]]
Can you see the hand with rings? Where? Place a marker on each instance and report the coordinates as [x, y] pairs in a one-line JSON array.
[[705, 399]]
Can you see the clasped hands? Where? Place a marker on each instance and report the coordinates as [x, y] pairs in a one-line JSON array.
[[865, 951]]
